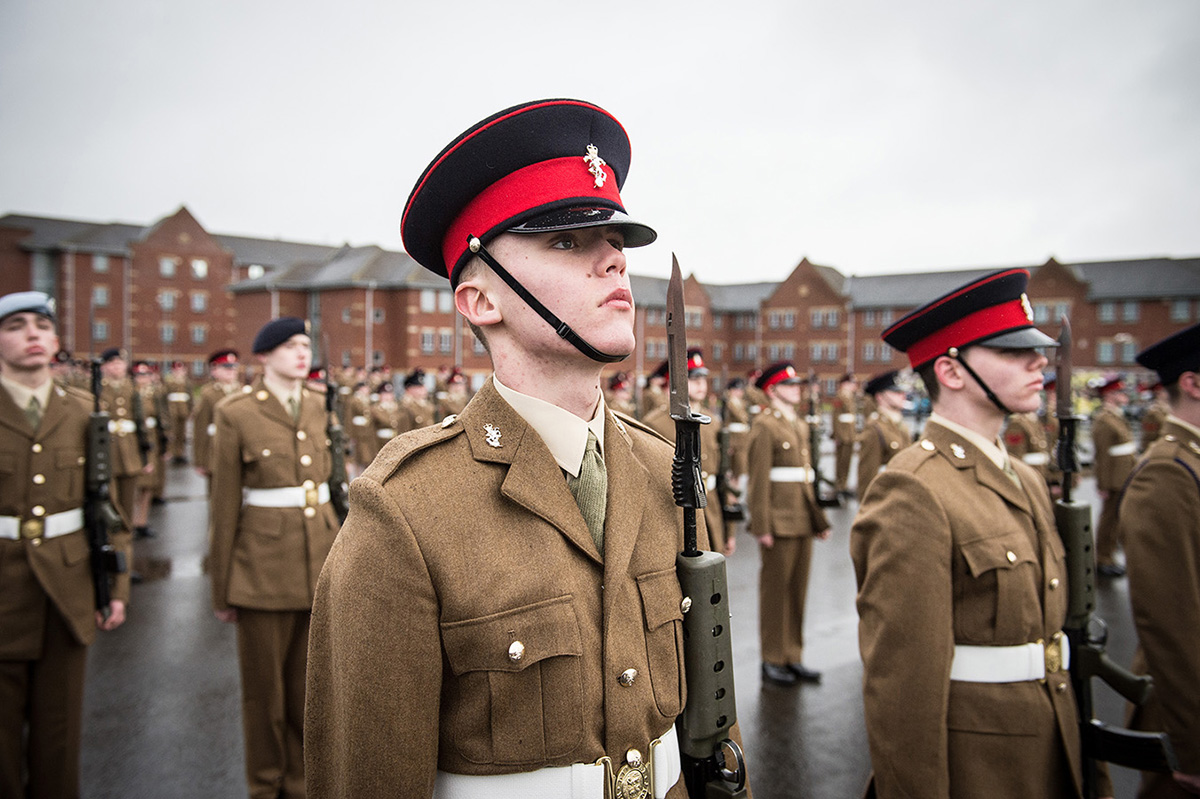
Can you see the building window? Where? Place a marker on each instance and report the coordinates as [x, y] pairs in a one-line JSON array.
[[773, 352], [100, 331], [199, 302], [752, 352], [693, 320], [885, 318], [1104, 352], [832, 318], [789, 351], [446, 302], [428, 300], [718, 321], [1107, 312], [1129, 351], [1041, 314], [166, 266], [885, 352], [718, 351], [869, 318], [377, 315], [815, 352], [99, 296], [199, 268], [199, 368], [1061, 309], [255, 271], [427, 342], [773, 320], [166, 300], [100, 264], [446, 341], [345, 316], [345, 358], [167, 332], [654, 316], [199, 334], [869, 352], [1180, 310], [739, 352], [831, 351], [789, 320], [818, 318], [1129, 311]]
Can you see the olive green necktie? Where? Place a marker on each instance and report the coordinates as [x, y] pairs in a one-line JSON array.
[[33, 412], [1011, 472], [294, 408], [590, 490]]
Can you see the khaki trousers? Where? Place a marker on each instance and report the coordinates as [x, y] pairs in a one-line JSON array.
[[47, 695], [782, 589], [1108, 530], [273, 653], [843, 453]]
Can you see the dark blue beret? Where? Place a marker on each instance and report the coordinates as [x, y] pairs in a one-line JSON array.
[[883, 382], [1174, 355], [276, 332]]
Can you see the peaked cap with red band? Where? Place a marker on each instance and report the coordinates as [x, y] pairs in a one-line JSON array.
[[536, 167], [992, 311], [776, 373], [223, 358]]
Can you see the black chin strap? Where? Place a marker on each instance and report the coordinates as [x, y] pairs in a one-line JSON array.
[[954, 353], [562, 328]]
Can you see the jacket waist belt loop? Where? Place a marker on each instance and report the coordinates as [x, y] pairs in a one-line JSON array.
[[289, 497], [52, 526], [791, 474], [1128, 448], [578, 781], [1020, 663]]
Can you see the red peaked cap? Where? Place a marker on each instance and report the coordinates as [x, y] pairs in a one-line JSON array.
[[782, 372], [992, 311], [539, 166]]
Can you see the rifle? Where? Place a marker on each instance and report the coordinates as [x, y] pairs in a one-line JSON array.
[[100, 517], [1087, 633], [710, 712], [814, 446], [339, 446]]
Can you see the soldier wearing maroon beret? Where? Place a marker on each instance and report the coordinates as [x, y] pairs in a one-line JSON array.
[[500, 615], [961, 574]]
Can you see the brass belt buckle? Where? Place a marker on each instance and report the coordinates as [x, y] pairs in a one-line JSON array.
[[1054, 654], [311, 497], [635, 780], [33, 528]]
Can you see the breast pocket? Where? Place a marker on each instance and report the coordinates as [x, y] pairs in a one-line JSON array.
[[69, 464], [519, 697], [661, 598], [999, 602]]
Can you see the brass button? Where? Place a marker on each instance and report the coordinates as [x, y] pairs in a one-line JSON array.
[[633, 757], [266, 453], [516, 651], [37, 447], [686, 604], [306, 460], [301, 435], [1061, 687], [310, 512], [1053, 583], [1012, 556], [38, 510], [787, 445], [261, 395], [39, 479], [895, 445], [627, 677], [308, 485], [37, 542]]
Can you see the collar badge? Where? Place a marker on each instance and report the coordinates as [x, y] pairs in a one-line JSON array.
[[595, 165], [491, 434], [958, 451]]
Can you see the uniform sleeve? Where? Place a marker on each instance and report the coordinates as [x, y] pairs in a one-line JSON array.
[[1103, 437], [1160, 519], [759, 479], [225, 504], [900, 544], [870, 458], [374, 661]]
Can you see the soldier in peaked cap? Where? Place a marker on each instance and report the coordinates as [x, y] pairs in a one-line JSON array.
[[47, 616], [223, 369], [471, 672], [1160, 523], [272, 525], [961, 573], [1115, 456], [845, 430], [784, 517], [179, 399], [884, 433]]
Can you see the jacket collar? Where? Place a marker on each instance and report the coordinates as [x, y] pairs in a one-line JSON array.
[[964, 454]]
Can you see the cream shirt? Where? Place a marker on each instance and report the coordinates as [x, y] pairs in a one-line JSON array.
[[281, 393], [564, 433], [21, 394], [1172, 418], [994, 450]]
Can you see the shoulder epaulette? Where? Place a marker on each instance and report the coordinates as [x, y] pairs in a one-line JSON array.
[[629, 421], [404, 446]]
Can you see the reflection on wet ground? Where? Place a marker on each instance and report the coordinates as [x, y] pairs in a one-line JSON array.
[[163, 708]]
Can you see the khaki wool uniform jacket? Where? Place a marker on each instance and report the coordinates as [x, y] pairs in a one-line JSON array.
[[464, 541], [880, 439], [783, 509], [203, 428], [179, 407], [360, 429], [948, 550], [845, 430], [1152, 423], [1160, 521], [262, 557], [1025, 438], [58, 568], [116, 397], [737, 422], [1109, 431]]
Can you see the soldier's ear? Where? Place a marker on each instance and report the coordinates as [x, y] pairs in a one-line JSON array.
[[949, 373], [473, 299]]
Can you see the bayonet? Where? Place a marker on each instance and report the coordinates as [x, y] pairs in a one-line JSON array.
[[686, 481]]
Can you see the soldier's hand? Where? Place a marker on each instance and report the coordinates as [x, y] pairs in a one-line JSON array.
[[730, 545], [1189, 782], [824, 533], [116, 616], [228, 615], [766, 541]]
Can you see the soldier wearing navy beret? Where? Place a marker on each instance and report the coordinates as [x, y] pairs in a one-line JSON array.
[[272, 525], [884, 433], [1160, 523], [500, 615], [961, 573], [48, 616]]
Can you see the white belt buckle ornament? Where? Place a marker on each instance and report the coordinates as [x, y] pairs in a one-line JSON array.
[[491, 434], [596, 165]]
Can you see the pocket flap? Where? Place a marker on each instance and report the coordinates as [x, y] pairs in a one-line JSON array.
[[1004, 552], [543, 630], [661, 598]]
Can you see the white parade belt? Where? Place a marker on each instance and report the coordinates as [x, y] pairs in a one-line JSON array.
[[737, 427], [578, 781], [1020, 663], [386, 432], [1036, 458], [846, 417], [1128, 448], [178, 396], [288, 497], [792, 474], [710, 483], [121, 426], [52, 526], [359, 421]]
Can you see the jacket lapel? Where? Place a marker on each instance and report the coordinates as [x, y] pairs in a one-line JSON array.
[[54, 414], [498, 434], [627, 487], [965, 455], [13, 417]]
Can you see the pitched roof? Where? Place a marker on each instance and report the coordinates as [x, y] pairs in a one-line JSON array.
[[1143, 278], [348, 267]]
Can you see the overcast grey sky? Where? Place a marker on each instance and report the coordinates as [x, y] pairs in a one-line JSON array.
[[869, 135]]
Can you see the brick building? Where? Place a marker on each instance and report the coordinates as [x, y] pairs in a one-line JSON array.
[[172, 290]]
